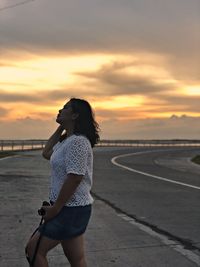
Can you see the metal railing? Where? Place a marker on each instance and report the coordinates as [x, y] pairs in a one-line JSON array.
[[16, 145], [148, 143]]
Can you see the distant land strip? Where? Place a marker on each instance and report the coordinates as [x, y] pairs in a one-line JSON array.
[[32, 144]]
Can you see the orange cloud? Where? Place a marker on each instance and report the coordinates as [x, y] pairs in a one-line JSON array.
[[120, 88]]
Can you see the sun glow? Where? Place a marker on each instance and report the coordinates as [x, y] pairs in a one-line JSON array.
[[48, 73], [192, 90], [120, 102]]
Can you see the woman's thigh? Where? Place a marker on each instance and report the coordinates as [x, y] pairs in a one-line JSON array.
[[74, 248], [46, 244]]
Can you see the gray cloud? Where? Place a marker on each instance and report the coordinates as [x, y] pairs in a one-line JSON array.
[[18, 97], [56, 95], [107, 83], [3, 111], [121, 83], [84, 21], [108, 114], [178, 103], [169, 28], [27, 128], [144, 111], [45, 97], [170, 128], [114, 80]]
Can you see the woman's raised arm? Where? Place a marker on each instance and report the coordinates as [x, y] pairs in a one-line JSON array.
[[48, 149]]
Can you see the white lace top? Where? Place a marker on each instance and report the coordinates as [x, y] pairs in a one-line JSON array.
[[72, 155]]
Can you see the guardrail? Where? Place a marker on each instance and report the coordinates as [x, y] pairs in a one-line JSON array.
[[14, 145], [141, 143]]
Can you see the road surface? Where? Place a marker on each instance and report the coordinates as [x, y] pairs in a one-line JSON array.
[[145, 214]]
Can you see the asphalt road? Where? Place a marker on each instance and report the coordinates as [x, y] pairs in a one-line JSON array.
[[164, 205], [143, 216]]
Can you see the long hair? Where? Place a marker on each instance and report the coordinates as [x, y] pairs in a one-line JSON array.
[[85, 123]]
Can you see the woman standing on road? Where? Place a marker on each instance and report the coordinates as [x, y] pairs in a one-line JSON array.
[[71, 160]]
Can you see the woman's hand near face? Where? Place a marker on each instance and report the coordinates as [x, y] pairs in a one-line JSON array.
[[48, 149]]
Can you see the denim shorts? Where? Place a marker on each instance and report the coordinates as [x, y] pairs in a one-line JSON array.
[[70, 222]]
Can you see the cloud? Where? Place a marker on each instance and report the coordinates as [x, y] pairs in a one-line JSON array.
[[43, 96], [178, 102], [170, 128], [156, 37], [3, 111], [118, 81], [169, 28], [175, 127], [36, 97], [155, 110], [79, 23], [27, 128], [18, 97]]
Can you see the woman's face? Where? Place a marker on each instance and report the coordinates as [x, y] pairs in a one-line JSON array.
[[65, 114]]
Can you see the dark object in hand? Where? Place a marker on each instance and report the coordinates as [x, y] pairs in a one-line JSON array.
[[41, 211]]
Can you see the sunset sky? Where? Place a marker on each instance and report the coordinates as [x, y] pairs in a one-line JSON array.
[[136, 61]]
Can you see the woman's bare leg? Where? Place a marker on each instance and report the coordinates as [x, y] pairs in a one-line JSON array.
[[74, 251], [46, 244]]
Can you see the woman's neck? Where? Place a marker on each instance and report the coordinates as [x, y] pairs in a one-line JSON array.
[[69, 132]]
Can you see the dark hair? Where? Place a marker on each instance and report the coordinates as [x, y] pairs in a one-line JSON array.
[[85, 123]]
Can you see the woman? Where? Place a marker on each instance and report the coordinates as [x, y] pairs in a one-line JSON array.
[[71, 160]]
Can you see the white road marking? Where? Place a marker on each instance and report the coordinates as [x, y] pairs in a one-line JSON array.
[[9, 157], [113, 160]]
